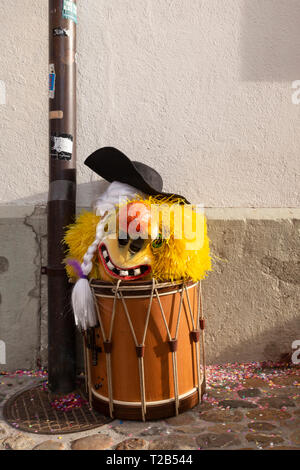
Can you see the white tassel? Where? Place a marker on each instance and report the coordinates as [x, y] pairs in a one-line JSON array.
[[82, 297], [83, 305]]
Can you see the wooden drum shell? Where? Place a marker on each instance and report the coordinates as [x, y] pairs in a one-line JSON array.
[[157, 361]]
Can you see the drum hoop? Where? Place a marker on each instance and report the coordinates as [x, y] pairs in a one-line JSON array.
[[142, 285], [180, 287], [148, 403]]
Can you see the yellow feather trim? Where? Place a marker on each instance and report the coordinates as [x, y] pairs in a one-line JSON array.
[[79, 236], [185, 254], [185, 258]]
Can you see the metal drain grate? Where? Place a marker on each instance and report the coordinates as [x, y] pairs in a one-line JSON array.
[[31, 411]]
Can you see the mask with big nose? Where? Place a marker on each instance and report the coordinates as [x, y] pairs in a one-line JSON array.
[[125, 250]]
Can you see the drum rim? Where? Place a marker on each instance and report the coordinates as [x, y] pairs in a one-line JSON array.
[[129, 289], [148, 403], [101, 283]]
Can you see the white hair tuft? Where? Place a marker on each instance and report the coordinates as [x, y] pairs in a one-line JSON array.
[[82, 297]]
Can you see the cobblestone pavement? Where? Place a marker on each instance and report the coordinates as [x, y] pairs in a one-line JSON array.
[[247, 406]]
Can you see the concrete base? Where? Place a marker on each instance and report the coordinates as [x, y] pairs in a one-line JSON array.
[[251, 300]]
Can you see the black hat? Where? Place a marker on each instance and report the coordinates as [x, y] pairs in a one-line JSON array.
[[113, 165]]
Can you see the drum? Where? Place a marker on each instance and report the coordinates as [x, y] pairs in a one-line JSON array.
[[146, 360]]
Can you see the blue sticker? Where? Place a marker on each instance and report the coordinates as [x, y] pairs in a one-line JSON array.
[[69, 10], [51, 81]]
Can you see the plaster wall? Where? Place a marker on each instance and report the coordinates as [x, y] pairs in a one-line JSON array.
[[201, 90]]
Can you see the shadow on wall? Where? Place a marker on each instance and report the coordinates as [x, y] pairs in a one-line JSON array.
[[87, 193], [252, 297], [270, 40], [270, 345]]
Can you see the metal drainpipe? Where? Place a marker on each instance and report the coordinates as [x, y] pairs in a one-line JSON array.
[[62, 191]]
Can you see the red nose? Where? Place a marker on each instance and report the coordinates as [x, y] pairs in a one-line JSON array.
[[134, 216]]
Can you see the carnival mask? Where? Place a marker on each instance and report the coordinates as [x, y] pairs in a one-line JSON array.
[[125, 250], [135, 242]]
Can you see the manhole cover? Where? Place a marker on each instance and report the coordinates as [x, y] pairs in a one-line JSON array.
[[31, 411]]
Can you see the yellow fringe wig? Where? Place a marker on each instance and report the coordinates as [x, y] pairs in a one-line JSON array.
[[183, 254], [78, 238]]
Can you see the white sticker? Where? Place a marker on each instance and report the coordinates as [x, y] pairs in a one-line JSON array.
[[61, 146]]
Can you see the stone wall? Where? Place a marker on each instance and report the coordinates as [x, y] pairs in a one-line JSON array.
[[251, 299]]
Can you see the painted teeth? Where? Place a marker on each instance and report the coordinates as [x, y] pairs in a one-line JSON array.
[[123, 273], [110, 265]]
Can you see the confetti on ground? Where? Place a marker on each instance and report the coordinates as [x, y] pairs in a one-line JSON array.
[[24, 372], [227, 377], [232, 376], [68, 402], [273, 389]]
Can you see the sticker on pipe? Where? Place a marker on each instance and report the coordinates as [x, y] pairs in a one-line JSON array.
[[61, 32], [69, 10], [51, 81], [56, 114], [61, 146]]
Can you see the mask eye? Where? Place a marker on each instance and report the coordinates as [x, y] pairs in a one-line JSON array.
[[136, 245], [158, 242], [123, 239]]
